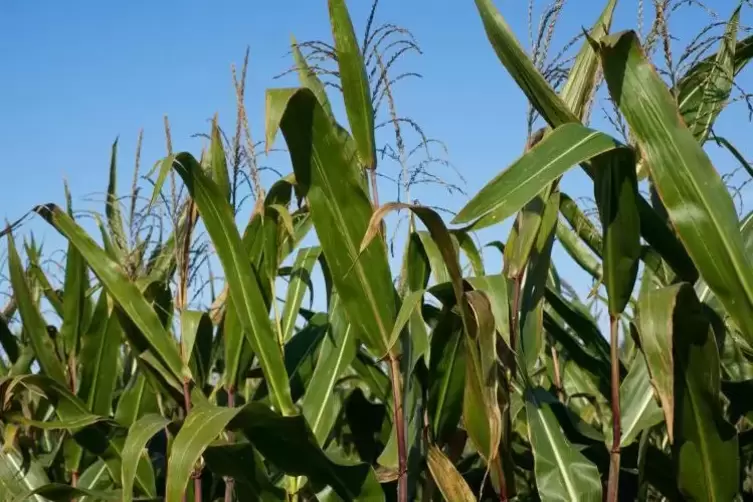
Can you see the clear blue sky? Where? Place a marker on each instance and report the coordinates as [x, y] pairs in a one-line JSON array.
[[77, 74]]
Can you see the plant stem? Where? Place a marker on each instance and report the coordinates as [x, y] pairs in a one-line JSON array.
[[614, 458], [399, 421], [229, 482]]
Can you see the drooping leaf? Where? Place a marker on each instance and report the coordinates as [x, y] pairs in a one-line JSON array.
[[448, 479]]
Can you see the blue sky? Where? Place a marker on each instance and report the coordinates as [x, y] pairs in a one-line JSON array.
[[78, 74]]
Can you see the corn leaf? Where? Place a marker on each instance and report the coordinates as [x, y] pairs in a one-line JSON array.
[[691, 189], [122, 290], [354, 82], [509, 191], [34, 324], [562, 472], [340, 210], [139, 435], [250, 307]]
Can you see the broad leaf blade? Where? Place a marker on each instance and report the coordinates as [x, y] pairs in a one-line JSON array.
[[244, 288], [692, 191], [562, 472], [139, 435], [340, 210], [448, 479]]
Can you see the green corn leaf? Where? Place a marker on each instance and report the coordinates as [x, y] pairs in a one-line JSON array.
[[196, 334], [58, 492], [243, 463], [137, 399], [34, 324], [37, 273], [437, 266], [581, 224], [638, 405], [703, 92], [446, 376], [481, 413], [338, 349], [112, 205], [448, 479], [575, 247], [17, 478], [252, 314], [616, 191], [122, 290], [89, 430], [300, 279], [565, 147], [300, 357], [308, 78], [556, 112], [139, 435], [691, 189], [580, 87], [238, 352], [471, 251], [74, 299], [704, 444], [218, 161], [520, 66], [100, 350], [538, 260], [340, 210], [286, 442], [354, 82], [96, 477], [562, 472]]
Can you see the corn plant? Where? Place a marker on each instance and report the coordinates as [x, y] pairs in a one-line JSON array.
[[437, 381]]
